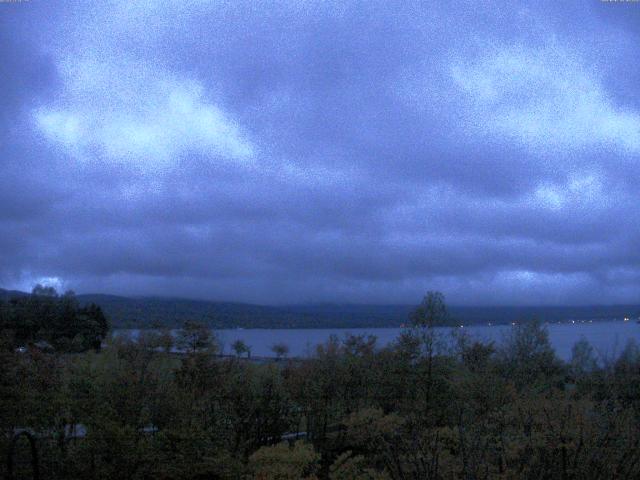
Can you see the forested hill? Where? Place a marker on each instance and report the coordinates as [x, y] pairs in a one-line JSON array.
[[141, 312], [151, 311], [7, 294]]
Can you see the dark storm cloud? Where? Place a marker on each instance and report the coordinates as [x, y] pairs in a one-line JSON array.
[[310, 151]]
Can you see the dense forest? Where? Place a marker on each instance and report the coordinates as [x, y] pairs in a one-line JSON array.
[[422, 408]]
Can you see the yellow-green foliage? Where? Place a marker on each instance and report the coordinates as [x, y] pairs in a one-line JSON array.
[[353, 467], [285, 462]]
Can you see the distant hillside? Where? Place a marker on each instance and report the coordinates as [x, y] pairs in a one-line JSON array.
[[7, 294], [149, 311], [142, 312]]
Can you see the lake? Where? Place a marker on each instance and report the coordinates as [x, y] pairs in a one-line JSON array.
[[608, 338]]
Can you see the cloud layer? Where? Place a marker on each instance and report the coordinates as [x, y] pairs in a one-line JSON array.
[[322, 151]]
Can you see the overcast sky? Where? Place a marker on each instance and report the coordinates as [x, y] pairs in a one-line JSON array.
[[341, 151]]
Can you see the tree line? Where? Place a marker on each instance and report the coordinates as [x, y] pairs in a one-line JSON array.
[[52, 321], [423, 407]]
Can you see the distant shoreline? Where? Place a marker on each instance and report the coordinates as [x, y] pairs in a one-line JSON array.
[[156, 312]]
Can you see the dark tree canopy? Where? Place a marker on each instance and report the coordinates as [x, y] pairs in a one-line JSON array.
[[239, 347], [431, 312], [194, 337], [280, 349], [59, 320]]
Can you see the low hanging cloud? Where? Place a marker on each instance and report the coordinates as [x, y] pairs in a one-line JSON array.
[[321, 151]]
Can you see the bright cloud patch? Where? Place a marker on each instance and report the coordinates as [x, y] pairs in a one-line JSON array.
[[544, 97], [579, 191], [122, 113], [27, 281]]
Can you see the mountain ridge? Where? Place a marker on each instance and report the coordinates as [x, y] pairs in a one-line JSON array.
[[155, 311]]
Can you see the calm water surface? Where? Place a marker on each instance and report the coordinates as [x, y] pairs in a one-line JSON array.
[[608, 338]]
